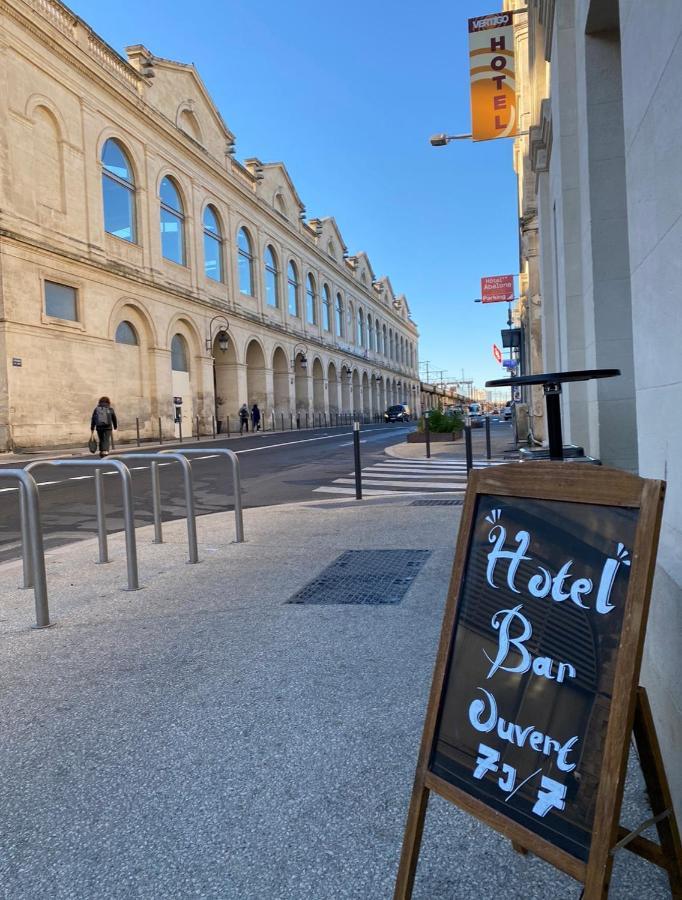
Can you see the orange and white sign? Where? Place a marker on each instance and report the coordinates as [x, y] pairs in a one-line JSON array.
[[492, 72], [497, 289], [497, 353]]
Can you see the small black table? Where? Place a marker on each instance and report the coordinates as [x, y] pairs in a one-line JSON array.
[[551, 383]]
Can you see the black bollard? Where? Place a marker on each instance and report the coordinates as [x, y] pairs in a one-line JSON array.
[[356, 454], [427, 435], [160, 432], [488, 453], [137, 429], [467, 447]]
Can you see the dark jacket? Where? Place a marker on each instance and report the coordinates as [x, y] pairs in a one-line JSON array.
[[244, 413], [255, 414], [93, 420]]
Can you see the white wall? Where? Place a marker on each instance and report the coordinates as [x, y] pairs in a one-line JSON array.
[[652, 85]]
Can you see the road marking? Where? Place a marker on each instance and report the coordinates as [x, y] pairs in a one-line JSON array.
[[404, 483], [329, 437]]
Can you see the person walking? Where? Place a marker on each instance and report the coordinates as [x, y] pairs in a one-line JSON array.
[[255, 417], [243, 418], [103, 420]]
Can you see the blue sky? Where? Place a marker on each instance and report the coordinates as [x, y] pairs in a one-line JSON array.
[[347, 96]]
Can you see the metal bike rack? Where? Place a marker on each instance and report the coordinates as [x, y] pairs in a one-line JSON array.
[[236, 480], [32, 541], [156, 496], [128, 515]]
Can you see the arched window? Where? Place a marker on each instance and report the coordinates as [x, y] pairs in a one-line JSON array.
[[326, 308], [292, 282], [245, 262], [339, 316], [350, 322], [118, 192], [378, 331], [390, 344], [384, 342], [311, 300], [271, 277], [213, 254], [361, 328], [172, 222], [126, 334], [370, 333], [179, 361]]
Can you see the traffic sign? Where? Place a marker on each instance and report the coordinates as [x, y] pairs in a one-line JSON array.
[[497, 353]]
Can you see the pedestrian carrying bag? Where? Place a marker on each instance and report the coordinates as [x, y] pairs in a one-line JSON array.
[[92, 444]]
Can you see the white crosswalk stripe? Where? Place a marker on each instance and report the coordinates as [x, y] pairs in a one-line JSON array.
[[409, 476]]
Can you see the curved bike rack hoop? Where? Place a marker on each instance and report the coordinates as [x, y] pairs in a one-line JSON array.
[[128, 515], [32, 541], [156, 497], [236, 480]]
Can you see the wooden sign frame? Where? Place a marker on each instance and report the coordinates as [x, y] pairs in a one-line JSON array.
[[573, 483]]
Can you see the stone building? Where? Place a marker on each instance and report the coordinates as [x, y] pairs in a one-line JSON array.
[[600, 207], [130, 238]]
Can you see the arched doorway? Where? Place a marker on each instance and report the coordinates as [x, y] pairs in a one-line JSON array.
[[333, 389], [255, 377], [181, 385], [357, 399], [366, 405], [374, 396], [345, 389], [225, 380], [318, 387], [382, 395], [280, 381]]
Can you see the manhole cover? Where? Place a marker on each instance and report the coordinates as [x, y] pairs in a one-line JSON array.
[[436, 503], [365, 576]]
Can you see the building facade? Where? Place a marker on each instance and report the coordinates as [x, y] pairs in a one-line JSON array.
[[130, 238], [600, 214]]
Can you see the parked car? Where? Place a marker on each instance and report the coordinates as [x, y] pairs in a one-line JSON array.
[[476, 417], [508, 411], [398, 413]]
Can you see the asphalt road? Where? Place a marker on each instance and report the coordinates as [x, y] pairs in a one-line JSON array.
[[275, 468]]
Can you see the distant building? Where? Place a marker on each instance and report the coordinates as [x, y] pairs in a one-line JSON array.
[[600, 203], [129, 234]]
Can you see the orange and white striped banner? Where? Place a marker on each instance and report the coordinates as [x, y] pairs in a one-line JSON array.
[[492, 71]]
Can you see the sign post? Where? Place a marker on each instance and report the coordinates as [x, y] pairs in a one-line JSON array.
[[535, 690]]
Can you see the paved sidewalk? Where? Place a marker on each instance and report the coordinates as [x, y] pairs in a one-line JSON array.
[[202, 738]]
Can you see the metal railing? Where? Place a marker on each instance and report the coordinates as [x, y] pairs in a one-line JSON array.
[[236, 481], [32, 541], [179, 457], [128, 515]]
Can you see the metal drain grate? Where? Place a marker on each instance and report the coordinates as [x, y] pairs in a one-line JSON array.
[[436, 503], [365, 576]]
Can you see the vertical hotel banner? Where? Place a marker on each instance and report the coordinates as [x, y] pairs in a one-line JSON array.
[[492, 73]]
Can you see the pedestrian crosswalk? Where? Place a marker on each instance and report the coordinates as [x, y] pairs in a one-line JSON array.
[[408, 476]]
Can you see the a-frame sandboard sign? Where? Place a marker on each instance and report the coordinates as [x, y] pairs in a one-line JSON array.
[[535, 690]]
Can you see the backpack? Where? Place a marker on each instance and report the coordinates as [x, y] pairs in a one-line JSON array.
[[103, 417]]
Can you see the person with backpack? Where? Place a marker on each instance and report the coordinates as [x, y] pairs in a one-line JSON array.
[[103, 421], [255, 417], [243, 418]]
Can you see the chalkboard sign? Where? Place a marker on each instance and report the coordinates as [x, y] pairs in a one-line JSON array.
[[533, 697]]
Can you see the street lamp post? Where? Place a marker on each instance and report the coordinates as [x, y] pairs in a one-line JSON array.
[[223, 343]]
